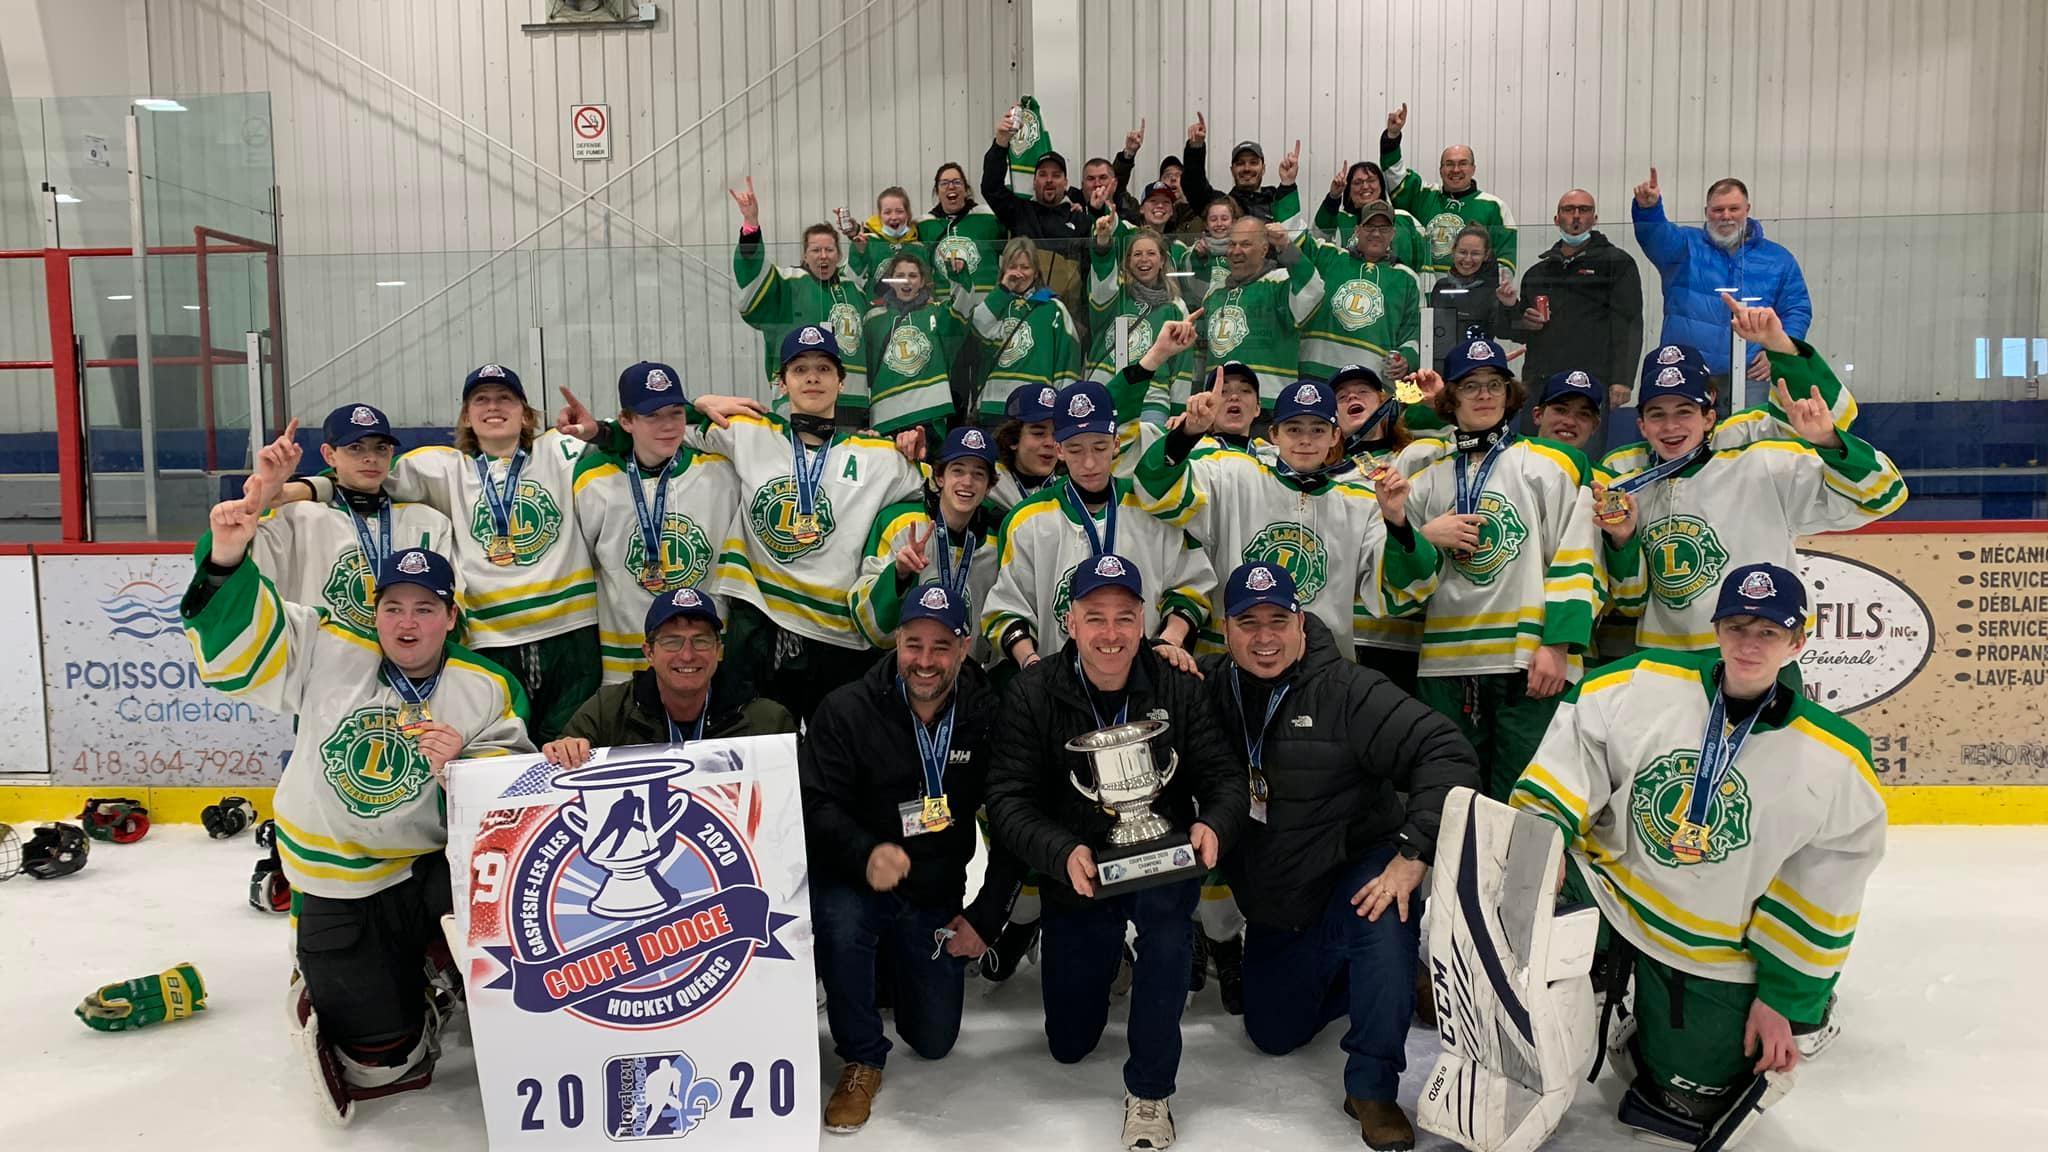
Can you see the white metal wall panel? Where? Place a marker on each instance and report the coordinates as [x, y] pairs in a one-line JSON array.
[[1895, 145], [378, 186]]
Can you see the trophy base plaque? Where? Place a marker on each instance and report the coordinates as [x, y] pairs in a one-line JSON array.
[[1135, 867]]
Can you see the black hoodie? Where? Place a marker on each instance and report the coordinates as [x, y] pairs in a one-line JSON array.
[[1342, 749], [1596, 313]]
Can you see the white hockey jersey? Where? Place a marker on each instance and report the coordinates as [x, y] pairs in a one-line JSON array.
[[1329, 536], [1535, 578], [550, 587], [1042, 541], [1795, 831], [312, 554], [803, 585], [702, 501], [357, 803]]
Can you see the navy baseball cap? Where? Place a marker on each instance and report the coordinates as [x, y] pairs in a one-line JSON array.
[[1764, 590], [1156, 188], [1242, 371], [352, 422], [1106, 570], [1084, 407], [1032, 403], [1358, 372], [1171, 162], [934, 602], [1573, 382], [810, 338], [493, 374], [1674, 371], [1472, 354], [648, 387], [1308, 398], [968, 443], [1254, 584], [429, 570], [1051, 157], [685, 602]]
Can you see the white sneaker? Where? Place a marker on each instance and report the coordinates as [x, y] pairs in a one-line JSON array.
[[1148, 1124]]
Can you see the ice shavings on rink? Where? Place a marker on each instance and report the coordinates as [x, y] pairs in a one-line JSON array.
[[1941, 1050]]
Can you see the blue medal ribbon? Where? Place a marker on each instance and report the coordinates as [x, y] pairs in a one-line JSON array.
[[955, 584], [934, 748], [1384, 414], [675, 734], [1123, 710], [500, 501], [415, 693], [1098, 542], [808, 469], [1719, 746], [1470, 485], [1255, 742], [374, 550], [1650, 476], [651, 522]]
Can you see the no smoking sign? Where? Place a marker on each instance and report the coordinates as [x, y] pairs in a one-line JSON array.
[[590, 131]]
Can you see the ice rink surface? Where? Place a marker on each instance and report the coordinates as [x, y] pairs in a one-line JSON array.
[[1944, 1046]]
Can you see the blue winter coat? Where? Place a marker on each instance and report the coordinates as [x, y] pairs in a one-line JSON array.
[[1693, 267]]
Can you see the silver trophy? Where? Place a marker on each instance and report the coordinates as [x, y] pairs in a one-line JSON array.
[[625, 816], [1143, 848]]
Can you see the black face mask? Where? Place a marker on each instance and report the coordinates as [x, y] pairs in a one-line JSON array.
[[807, 425], [1486, 438]]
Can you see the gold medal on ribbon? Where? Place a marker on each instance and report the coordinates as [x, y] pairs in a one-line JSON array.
[[1612, 506], [654, 577], [501, 552], [938, 815], [1260, 792], [411, 716], [1689, 842], [804, 526]]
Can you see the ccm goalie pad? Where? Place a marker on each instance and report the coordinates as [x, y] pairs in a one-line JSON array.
[[1514, 1004]]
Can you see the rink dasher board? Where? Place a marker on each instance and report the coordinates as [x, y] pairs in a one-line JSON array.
[[665, 992]]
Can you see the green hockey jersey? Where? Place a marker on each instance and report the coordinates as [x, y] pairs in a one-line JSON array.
[[550, 587], [975, 239], [877, 599], [701, 502], [1442, 214], [1795, 831], [799, 583], [312, 554], [357, 804], [1043, 540], [775, 300], [1329, 536], [1338, 225], [909, 360], [1026, 339], [1259, 323], [1367, 311], [1123, 326], [1536, 577]]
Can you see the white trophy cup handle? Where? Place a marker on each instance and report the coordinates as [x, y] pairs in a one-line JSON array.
[[577, 820], [1172, 766], [1094, 796]]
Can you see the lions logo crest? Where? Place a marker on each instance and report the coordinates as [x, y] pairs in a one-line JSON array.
[[350, 591], [371, 764], [772, 516], [958, 247], [845, 321], [1501, 533], [1027, 133], [1227, 329], [1295, 547], [536, 523], [1357, 303], [907, 351], [1663, 792], [1685, 557], [1016, 341], [1443, 234], [685, 553]]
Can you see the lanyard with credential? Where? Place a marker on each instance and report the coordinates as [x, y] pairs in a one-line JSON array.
[[1123, 710], [934, 748], [1255, 742], [1471, 485], [1104, 540], [500, 501], [1719, 746], [675, 734], [654, 569]]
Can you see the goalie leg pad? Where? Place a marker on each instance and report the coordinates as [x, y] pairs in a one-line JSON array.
[[1515, 1009], [1762, 1092]]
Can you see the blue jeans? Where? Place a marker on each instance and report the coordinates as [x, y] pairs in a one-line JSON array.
[[864, 936], [1344, 964], [1080, 946]]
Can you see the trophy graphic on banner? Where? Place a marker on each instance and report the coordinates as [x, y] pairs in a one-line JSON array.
[[1143, 849], [623, 818]]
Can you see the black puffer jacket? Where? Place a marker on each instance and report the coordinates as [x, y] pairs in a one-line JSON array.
[[858, 761], [1343, 743], [1033, 809]]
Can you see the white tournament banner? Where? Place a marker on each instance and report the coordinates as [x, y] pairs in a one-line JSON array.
[[126, 705], [635, 937]]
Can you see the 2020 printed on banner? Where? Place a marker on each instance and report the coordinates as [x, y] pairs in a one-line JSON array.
[[637, 946]]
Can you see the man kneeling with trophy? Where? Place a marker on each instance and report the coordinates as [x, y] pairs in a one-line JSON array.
[[1111, 778], [1347, 776]]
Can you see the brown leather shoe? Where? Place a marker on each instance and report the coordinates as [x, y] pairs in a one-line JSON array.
[[854, 1099], [1381, 1124], [1425, 998]]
